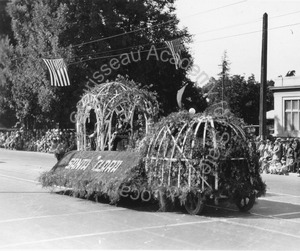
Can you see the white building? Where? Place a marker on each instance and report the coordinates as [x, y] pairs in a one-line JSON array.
[[287, 106]]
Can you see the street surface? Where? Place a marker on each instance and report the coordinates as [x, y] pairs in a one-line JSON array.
[[35, 218]]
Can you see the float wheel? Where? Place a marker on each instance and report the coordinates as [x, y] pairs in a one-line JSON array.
[[245, 203], [194, 203]]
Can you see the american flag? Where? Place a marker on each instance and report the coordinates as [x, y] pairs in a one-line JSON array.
[[58, 72], [175, 47]]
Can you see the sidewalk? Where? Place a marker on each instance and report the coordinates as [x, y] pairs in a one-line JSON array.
[[290, 174]]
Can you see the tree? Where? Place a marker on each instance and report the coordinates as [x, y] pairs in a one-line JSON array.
[[36, 26], [241, 96], [225, 65], [68, 28], [5, 21], [7, 113], [145, 26]]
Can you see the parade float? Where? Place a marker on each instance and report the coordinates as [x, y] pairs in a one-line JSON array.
[[202, 157], [189, 158]]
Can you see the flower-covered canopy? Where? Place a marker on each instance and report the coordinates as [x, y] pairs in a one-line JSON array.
[[110, 101], [199, 152]]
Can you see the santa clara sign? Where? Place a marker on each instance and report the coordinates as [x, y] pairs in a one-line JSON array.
[[101, 166], [103, 163]]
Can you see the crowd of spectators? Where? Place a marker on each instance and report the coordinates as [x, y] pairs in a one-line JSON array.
[[48, 141], [281, 156]]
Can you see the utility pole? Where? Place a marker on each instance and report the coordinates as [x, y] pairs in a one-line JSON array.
[[263, 79]]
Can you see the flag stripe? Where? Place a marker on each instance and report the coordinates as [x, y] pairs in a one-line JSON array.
[[58, 72], [52, 69], [170, 46], [53, 73], [175, 47]]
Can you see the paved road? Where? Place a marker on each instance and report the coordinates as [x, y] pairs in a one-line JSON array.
[[35, 218]]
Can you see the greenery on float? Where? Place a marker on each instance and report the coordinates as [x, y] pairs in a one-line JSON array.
[[236, 178], [86, 184]]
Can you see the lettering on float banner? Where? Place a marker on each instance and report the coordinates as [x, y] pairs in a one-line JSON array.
[[104, 166]]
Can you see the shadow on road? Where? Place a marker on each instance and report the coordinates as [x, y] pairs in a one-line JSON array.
[[262, 208]]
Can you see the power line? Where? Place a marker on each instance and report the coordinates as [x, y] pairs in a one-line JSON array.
[[247, 33], [250, 22], [204, 32], [235, 35], [221, 7], [116, 55], [121, 34], [137, 30], [109, 51], [283, 26], [208, 40], [229, 26], [217, 29], [290, 13]]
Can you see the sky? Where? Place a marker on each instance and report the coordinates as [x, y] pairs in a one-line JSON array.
[[219, 25]]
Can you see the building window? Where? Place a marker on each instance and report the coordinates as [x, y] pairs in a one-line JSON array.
[[291, 109]]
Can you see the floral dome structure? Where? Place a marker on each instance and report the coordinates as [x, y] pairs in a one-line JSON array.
[[110, 101], [196, 157]]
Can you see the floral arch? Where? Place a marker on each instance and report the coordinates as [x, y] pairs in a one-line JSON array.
[[190, 151], [110, 101]]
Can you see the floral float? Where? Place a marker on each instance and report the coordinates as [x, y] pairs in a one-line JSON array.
[[198, 157], [187, 158]]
